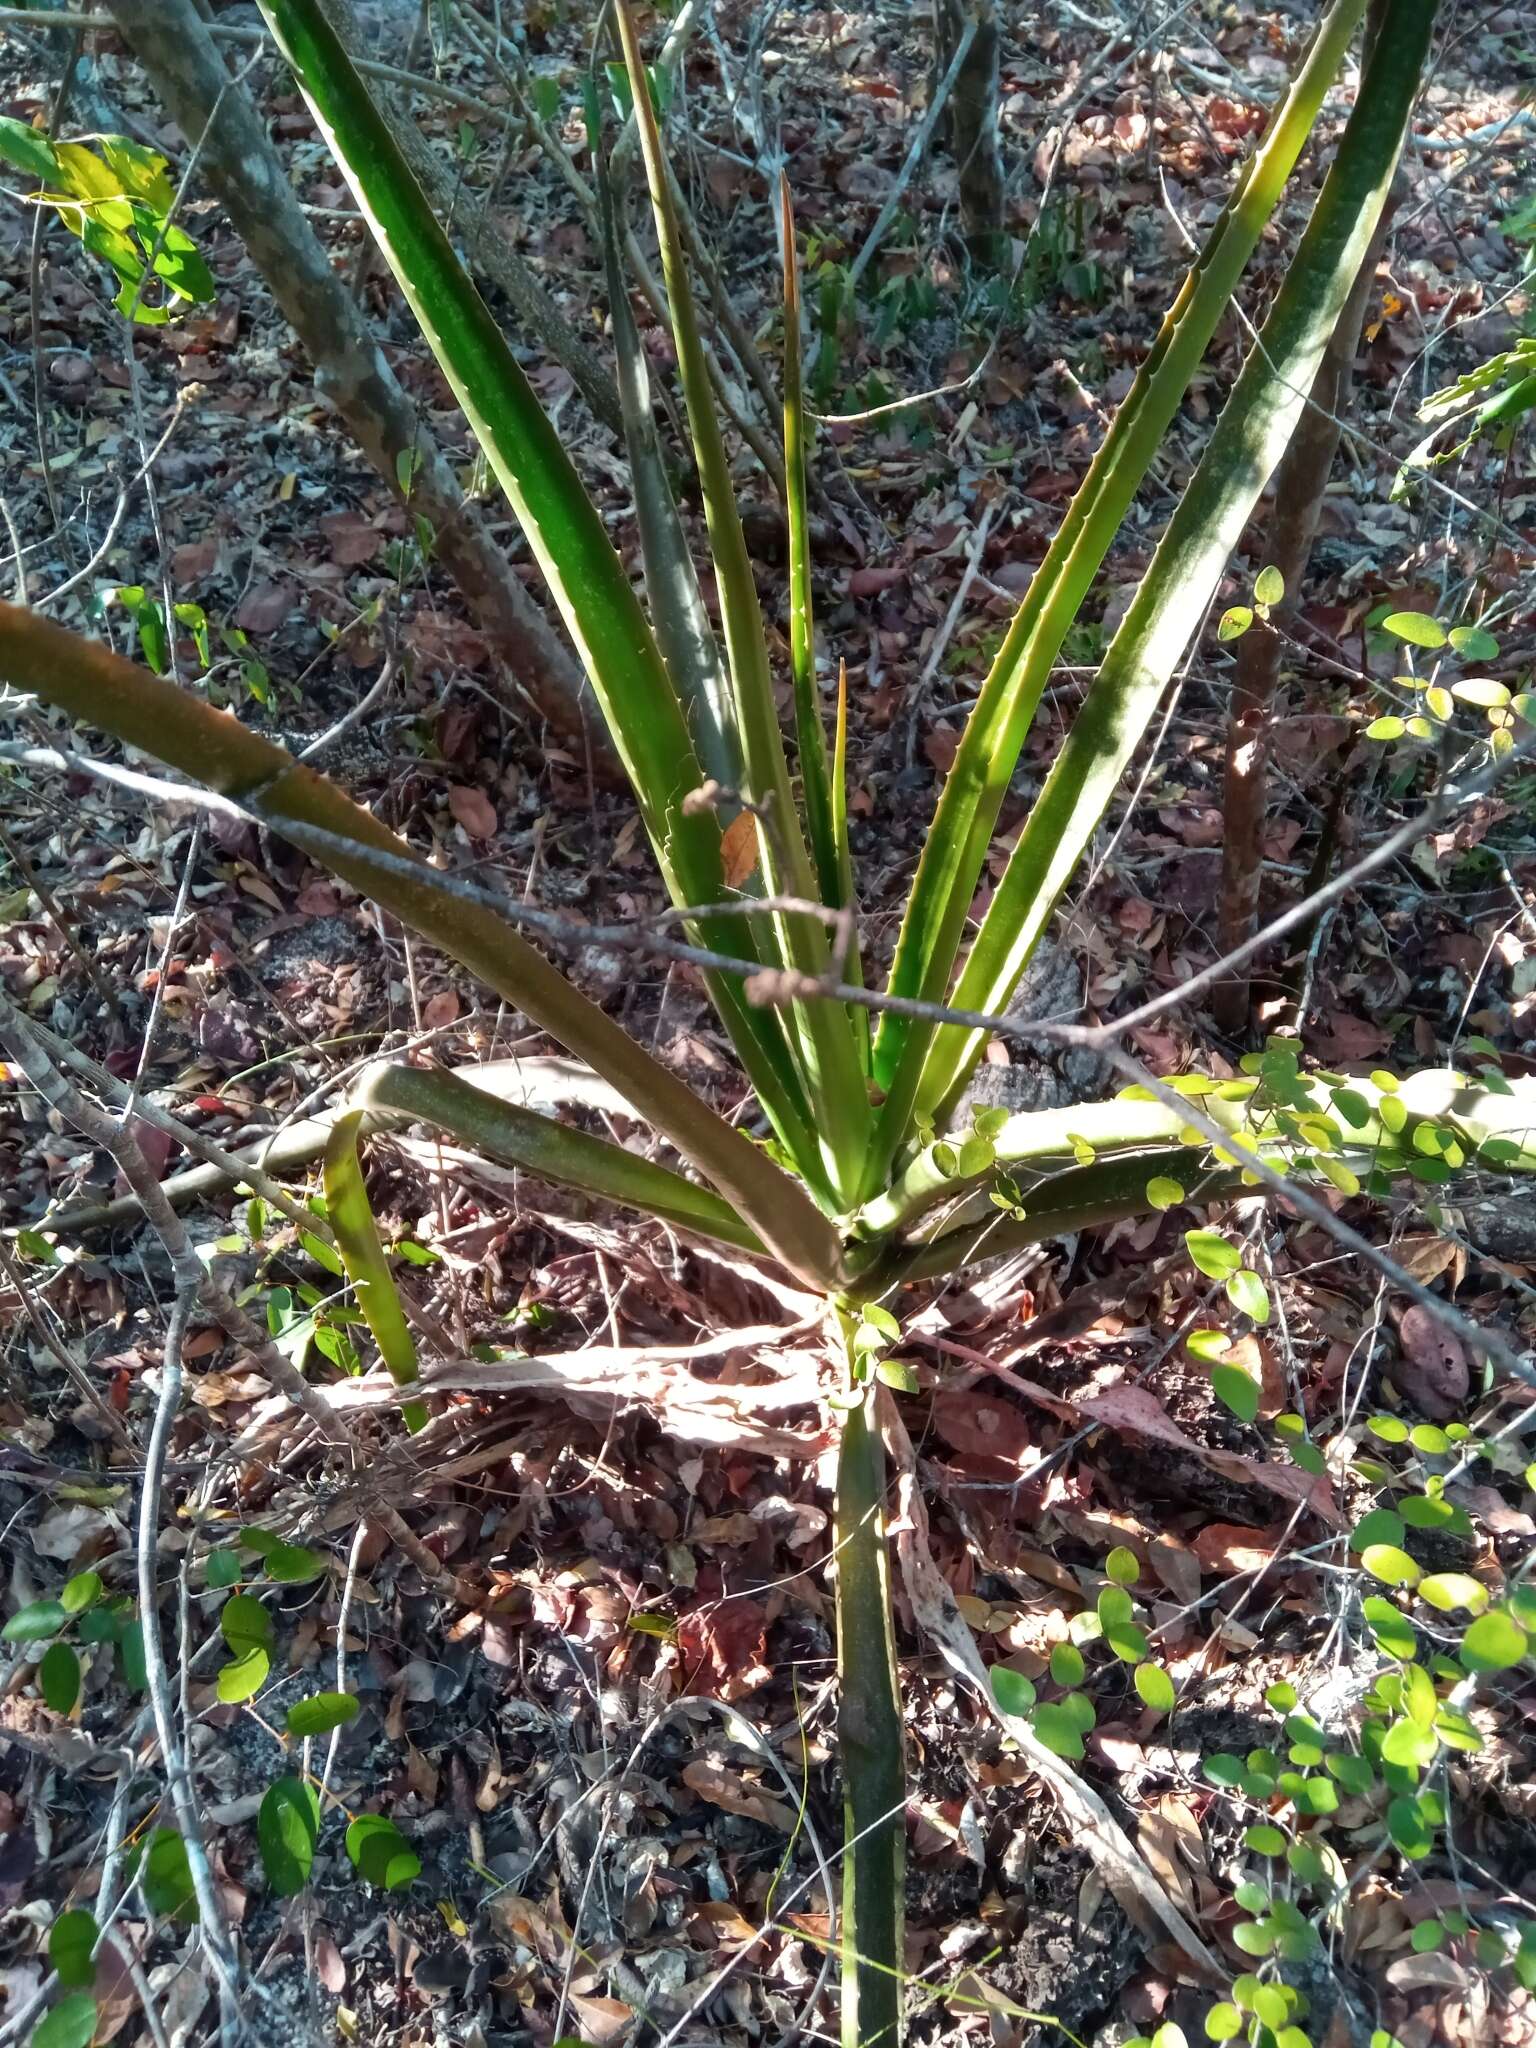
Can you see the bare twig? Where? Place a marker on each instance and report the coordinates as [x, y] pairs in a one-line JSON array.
[[213, 1926], [914, 156]]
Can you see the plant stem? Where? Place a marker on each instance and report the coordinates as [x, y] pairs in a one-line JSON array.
[[869, 1737]]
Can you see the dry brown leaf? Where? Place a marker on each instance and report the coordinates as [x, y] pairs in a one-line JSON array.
[[739, 849], [1432, 1372], [737, 1794], [604, 2021], [265, 608], [722, 1647], [473, 809], [1227, 1548]]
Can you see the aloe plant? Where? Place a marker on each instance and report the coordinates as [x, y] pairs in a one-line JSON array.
[[869, 1182]]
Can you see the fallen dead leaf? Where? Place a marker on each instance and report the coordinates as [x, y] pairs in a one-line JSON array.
[[265, 608], [1432, 1371], [737, 1794], [723, 1647], [472, 809], [1228, 1548], [739, 849]]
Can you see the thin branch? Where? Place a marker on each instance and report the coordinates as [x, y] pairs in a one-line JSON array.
[[214, 1929], [914, 156]]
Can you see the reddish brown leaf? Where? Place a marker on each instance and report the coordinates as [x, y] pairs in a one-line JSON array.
[[723, 1647], [265, 608], [738, 849], [737, 1794], [941, 746], [440, 1009], [1349, 1038], [984, 1427], [353, 539], [1432, 1372], [472, 809], [870, 582], [1226, 1548]]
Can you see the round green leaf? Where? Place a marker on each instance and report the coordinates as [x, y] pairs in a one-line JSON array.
[[1354, 1773], [1222, 1768], [1473, 644], [1482, 691], [1390, 1628], [245, 1675], [59, 1677], [223, 1568], [1264, 1840], [1388, 728], [1212, 1254], [1078, 1709], [1207, 1345], [1114, 1606], [1409, 1746], [1237, 1390], [1223, 2023], [1269, 587], [1059, 1732], [1067, 1665], [1394, 1567], [1248, 1294], [1128, 1642], [287, 1829], [1494, 1642], [1408, 1829], [1391, 1429], [1381, 1525], [1163, 1192], [1254, 1937], [322, 1712], [31, 1623], [1417, 628], [246, 1623], [1234, 622], [292, 1563], [1123, 1566], [166, 1875], [1270, 2005], [380, 1853], [81, 1592], [70, 2024], [71, 1945], [1155, 1688], [1014, 1693]]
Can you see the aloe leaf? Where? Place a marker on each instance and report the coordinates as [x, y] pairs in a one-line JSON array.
[[1247, 442], [870, 1739], [1081, 1198], [956, 847], [821, 1037], [521, 444], [681, 623], [815, 770], [554, 1151], [854, 971], [144, 710], [563, 527], [357, 1240]]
